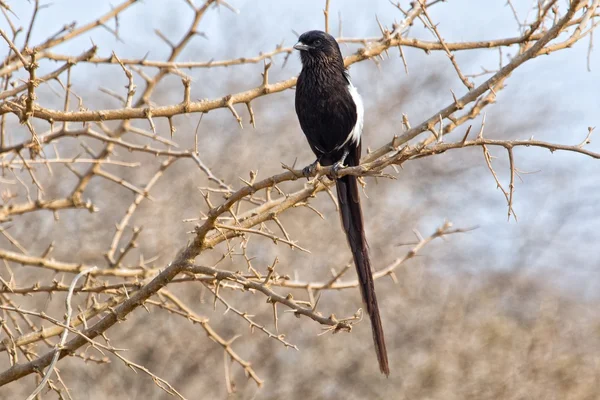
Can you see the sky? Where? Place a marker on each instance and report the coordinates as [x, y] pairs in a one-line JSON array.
[[556, 205]]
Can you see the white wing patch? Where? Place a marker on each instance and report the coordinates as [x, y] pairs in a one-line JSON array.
[[354, 136]]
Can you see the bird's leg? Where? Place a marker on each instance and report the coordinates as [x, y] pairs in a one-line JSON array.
[[310, 169], [338, 165]]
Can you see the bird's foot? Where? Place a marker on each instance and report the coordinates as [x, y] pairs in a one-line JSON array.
[[335, 168], [310, 169]]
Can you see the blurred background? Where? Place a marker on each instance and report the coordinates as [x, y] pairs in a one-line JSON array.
[[508, 310]]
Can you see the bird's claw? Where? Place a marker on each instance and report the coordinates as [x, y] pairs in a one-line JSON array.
[[309, 170], [335, 168]]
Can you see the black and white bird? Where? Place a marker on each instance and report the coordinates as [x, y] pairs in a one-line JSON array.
[[330, 112]]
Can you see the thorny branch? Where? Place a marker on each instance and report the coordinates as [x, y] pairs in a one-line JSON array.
[[231, 218]]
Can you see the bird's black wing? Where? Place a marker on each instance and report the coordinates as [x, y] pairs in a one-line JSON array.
[[327, 116]]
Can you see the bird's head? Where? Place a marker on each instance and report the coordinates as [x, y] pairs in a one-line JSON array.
[[315, 46]]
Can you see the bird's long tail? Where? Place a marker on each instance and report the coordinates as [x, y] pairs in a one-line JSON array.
[[352, 221]]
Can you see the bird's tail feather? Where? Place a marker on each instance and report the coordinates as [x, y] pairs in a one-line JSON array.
[[352, 221]]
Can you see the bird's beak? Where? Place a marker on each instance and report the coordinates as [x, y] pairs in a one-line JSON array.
[[302, 47]]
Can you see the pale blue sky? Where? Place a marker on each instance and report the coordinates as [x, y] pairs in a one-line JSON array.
[[558, 86]]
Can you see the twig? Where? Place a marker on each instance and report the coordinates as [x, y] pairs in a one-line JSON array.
[[63, 337], [326, 14]]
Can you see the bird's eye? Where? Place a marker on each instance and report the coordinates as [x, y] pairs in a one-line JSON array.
[[317, 42]]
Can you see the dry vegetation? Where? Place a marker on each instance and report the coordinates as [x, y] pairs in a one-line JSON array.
[[124, 217]]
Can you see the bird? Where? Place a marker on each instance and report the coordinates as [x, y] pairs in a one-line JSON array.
[[330, 111]]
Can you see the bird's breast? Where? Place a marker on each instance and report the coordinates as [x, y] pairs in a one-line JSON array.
[[327, 111]]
